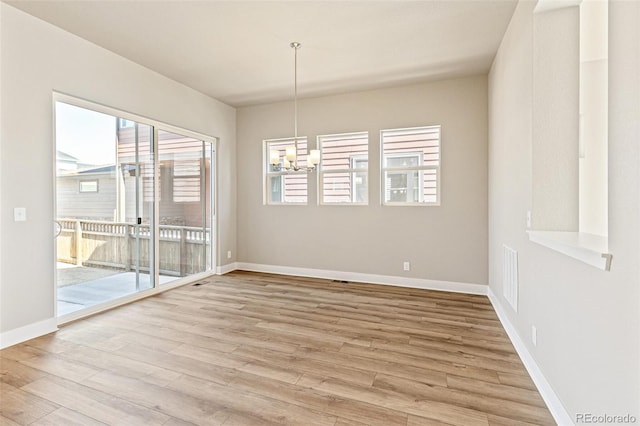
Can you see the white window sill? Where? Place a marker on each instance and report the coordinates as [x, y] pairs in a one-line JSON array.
[[588, 248]]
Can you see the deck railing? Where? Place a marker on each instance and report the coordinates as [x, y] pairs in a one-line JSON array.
[[183, 250]]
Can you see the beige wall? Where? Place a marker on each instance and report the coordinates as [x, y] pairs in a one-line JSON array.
[[556, 66], [38, 58], [447, 243], [594, 110], [588, 320]]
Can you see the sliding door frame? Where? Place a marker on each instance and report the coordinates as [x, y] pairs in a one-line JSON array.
[[154, 241]]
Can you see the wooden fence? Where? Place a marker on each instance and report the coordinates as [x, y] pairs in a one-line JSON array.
[[183, 250]]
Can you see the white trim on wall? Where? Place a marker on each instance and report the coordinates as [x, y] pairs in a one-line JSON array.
[[426, 284], [225, 269], [31, 331], [559, 413]]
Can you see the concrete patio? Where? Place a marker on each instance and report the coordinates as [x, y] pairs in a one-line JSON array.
[[81, 287]]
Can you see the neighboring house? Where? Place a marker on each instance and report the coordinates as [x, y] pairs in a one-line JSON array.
[[411, 166], [87, 194], [108, 192], [65, 161]]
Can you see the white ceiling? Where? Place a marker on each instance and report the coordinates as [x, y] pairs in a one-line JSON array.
[[238, 51]]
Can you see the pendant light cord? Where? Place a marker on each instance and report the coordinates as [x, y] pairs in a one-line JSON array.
[[295, 92], [295, 46]]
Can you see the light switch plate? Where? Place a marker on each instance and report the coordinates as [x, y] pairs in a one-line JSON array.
[[19, 214]]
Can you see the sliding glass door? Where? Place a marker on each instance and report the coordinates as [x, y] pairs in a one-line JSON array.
[[134, 207], [185, 204], [105, 220]]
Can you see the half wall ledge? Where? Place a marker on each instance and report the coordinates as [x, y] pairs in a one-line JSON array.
[[588, 248]]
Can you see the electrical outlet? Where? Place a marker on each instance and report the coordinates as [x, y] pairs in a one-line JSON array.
[[19, 214], [534, 335], [529, 219], [406, 266], [229, 254]]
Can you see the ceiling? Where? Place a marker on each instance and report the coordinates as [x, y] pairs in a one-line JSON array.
[[238, 51]]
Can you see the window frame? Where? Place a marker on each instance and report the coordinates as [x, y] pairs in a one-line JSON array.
[[384, 170], [267, 174], [96, 181], [351, 171]]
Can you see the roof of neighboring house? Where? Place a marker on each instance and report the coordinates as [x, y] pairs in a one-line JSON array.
[[108, 169], [98, 169], [64, 156]]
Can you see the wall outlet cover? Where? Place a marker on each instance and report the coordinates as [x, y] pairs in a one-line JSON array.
[[19, 214]]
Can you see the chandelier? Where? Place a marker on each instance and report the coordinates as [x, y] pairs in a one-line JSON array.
[[290, 160]]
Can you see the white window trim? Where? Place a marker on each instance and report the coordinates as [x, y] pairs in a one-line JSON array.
[[384, 169], [351, 170]]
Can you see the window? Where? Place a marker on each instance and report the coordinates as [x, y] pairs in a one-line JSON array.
[[88, 186], [344, 170], [411, 166], [281, 186]]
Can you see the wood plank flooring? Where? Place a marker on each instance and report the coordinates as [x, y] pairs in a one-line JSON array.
[[259, 349]]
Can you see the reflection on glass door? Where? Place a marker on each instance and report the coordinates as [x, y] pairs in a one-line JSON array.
[[185, 204], [103, 179]]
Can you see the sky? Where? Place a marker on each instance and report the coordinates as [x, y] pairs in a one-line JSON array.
[[87, 135]]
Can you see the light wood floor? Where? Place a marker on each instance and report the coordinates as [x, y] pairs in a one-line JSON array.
[[259, 349]]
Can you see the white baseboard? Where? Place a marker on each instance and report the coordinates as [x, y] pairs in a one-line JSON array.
[[225, 269], [549, 396], [31, 331], [452, 286]]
